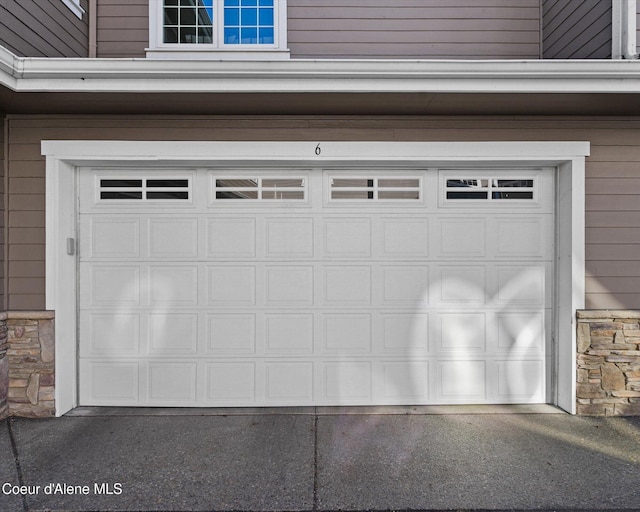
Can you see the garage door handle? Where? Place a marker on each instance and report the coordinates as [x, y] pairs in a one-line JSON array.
[[71, 246]]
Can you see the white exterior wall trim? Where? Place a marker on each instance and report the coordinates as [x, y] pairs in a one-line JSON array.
[[64, 157], [22, 74]]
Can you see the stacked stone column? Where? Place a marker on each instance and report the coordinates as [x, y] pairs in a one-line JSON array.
[[608, 380]]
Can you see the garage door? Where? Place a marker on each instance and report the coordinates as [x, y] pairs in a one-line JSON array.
[[269, 287]]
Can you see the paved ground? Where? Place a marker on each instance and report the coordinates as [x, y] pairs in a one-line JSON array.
[[305, 460]]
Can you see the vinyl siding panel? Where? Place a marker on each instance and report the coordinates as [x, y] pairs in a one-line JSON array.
[[463, 29], [122, 28], [34, 28], [576, 29], [612, 185]]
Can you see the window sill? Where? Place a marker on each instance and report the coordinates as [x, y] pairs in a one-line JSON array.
[[209, 54]]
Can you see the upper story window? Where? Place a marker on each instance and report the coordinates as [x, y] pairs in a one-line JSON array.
[[218, 29], [75, 7]]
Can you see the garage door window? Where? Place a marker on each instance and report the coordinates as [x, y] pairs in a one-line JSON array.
[[267, 189], [145, 189], [376, 189], [489, 189]]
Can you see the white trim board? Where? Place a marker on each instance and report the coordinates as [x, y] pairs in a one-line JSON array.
[[63, 158]]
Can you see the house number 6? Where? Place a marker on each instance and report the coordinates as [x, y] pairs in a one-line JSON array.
[[318, 149]]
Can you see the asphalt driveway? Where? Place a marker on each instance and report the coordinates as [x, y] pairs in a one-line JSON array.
[[305, 460]]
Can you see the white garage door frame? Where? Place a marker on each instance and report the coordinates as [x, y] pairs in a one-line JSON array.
[[65, 158]]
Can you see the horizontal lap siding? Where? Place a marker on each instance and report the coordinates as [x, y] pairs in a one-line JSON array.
[[460, 29], [576, 29], [612, 187], [122, 28], [39, 28]]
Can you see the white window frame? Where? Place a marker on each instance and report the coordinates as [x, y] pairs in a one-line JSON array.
[[159, 50], [75, 7], [65, 159]]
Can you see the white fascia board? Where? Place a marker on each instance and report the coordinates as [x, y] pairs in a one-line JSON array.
[[322, 152], [305, 76]]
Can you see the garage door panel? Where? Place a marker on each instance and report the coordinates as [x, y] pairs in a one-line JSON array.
[[109, 383], [462, 332], [171, 237], [521, 331], [404, 237], [347, 382], [97, 235], [404, 381], [460, 381], [109, 285], [522, 237], [231, 238], [172, 382], [347, 285], [289, 334], [230, 383], [289, 382], [289, 285], [461, 237], [231, 285], [407, 285], [288, 238], [347, 237], [231, 334], [460, 284], [404, 333], [172, 334], [520, 381], [346, 333], [173, 285], [520, 285], [111, 334]]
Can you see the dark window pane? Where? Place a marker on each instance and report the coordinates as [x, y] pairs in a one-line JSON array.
[[170, 2], [120, 183], [167, 195], [512, 195], [168, 183], [205, 17], [188, 35], [230, 194], [236, 183], [171, 16], [282, 182], [351, 182], [189, 3], [187, 16], [170, 35], [120, 195], [466, 195], [205, 35]]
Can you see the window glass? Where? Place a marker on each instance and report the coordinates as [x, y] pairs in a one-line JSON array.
[[242, 22]]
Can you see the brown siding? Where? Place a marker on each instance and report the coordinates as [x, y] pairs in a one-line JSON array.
[[35, 28], [612, 200], [576, 29], [458, 29], [122, 28]]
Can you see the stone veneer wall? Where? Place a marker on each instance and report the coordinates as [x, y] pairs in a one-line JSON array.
[[608, 363], [4, 367], [30, 358]]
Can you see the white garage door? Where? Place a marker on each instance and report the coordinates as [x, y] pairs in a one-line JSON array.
[[315, 287]]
